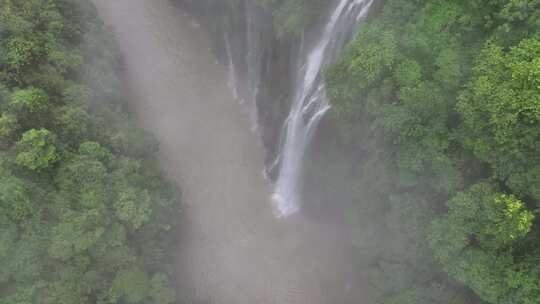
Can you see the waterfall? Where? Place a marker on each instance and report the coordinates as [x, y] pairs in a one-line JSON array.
[[233, 81], [253, 55], [253, 62], [244, 60], [310, 103]]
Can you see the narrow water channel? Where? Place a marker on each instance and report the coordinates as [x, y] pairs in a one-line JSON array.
[[231, 248]]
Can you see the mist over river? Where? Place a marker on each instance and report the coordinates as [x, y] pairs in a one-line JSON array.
[[232, 249]]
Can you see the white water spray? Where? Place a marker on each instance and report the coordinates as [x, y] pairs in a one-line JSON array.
[[310, 103]]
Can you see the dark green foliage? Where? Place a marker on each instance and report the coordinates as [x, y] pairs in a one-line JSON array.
[[437, 96], [84, 214], [37, 149]]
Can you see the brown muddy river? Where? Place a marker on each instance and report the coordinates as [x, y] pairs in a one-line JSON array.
[[231, 249]]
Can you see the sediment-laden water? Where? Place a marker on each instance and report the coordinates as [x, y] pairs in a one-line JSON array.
[[231, 249]]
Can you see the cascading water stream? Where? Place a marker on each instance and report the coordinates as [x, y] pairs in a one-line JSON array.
[[310, 103], [244, 71], [233, 81], [253, 55], [253, 63]]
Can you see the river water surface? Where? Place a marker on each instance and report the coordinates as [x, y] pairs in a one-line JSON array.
[[231, 249]]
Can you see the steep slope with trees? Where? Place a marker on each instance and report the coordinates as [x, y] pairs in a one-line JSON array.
[[440, 100], [85, 216]]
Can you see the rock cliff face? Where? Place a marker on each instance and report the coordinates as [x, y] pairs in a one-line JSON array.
[[261, 64], [278, 79]]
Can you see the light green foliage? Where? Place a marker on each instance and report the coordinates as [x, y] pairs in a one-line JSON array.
[[133, 207], [501, 113], [31, 31], [73, 123], [8, 126], [476, 240], [85, 216], [75, 233], [492, 219], [37, 150], [132, 284], [94, 150], [408, 74], [21, 51], [31, 100], [14, 198]]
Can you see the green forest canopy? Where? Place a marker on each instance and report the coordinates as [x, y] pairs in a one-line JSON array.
[[441, 99], [84, 214]]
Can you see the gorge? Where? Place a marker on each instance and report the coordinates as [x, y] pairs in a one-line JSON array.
[[269, 151], [251, 78], [231, 247]]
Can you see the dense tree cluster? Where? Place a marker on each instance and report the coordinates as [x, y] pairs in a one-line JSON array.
[[84, 214], [441, 102]]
